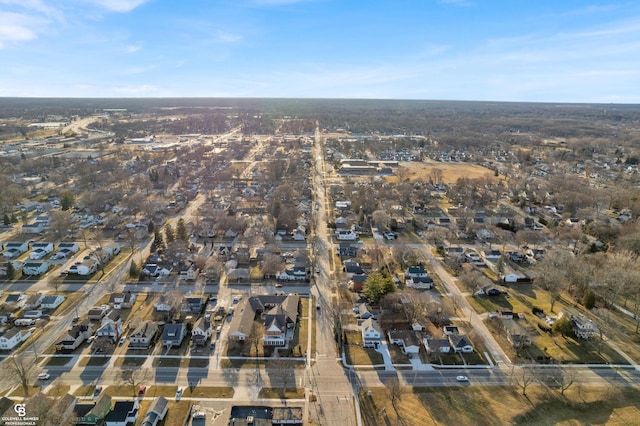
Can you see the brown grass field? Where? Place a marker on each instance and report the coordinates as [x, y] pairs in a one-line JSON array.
[[419, 172], [503, 406]]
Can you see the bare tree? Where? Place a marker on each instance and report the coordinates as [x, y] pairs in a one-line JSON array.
[[255, 336], [394, 391], [552, 275], [523, 377], [135, 377], [174, 299], [20, 369], [381, 219], [566, 379], [271, 264], [60, 225], [415, 304], [55, 282], [283, 369]]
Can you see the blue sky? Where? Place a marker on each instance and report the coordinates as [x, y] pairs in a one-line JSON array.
[[512, 50]]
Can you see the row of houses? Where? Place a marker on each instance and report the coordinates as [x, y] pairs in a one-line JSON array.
[[410, 341], [69, 410]]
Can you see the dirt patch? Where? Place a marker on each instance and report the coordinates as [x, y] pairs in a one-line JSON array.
[[449, 172]]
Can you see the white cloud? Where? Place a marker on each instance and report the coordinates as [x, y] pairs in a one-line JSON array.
[[37, 6], [139, 90], [225, 37], [132, 48], [457, 2], [18, 27], [279, 2], [139, 69], [120, 5]]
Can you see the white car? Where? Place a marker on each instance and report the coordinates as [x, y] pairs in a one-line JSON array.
[[44, 376], [462, 378], [179, 394]]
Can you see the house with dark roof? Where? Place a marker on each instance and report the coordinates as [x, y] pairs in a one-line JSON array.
[[357, 282], [435, 345], [346, 250], [173, 334], [352, 268], [123, 413], [76, 335], [280, 321], [460, 343], [278, 314], [51, 302], [407, 340], [193, 304]]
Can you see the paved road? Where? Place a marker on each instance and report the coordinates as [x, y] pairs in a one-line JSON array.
[[327, 379]]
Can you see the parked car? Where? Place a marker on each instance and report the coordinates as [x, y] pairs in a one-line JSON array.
[[179, 394], [44, 376], [122, 340], [97, 391], [142, 390]]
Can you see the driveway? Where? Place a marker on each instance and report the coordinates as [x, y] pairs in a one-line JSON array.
[[383, 349]]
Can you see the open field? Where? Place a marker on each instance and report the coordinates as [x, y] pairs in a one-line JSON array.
[[450, 172], [522, 298], [502, 406]]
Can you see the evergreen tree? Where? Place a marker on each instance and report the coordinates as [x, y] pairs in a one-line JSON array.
[[169, 233], [377, 286], [11, 271], [134, 270], [563, 326], [181, 231], [67, 200], [151, 227], [158, 241], [589, 299]]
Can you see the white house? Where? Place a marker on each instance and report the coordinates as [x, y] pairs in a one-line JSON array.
[[35, 268], [51, 302], [201, 331], [111, 326], [34, 228], [72, 247], [189, 272], [297, 273], [156, 412], [75, 336], [122, 300], [13, 337], [87, 267], [371, 333], [15, 249], [143, 336], [436, 345], [46, 247], [346, 235]]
